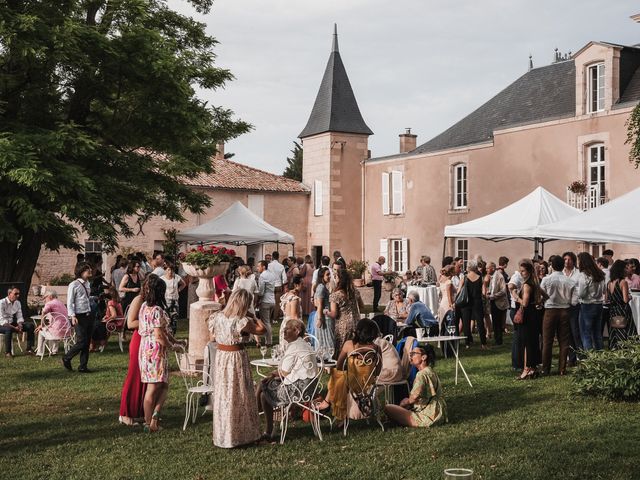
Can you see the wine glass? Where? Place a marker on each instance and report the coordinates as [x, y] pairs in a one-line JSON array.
[[263, 350], [274, 353], [330, 352]]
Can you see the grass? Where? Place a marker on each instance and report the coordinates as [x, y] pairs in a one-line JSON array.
[[60, 425]]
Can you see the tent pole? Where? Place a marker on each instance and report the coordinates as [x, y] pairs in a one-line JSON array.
[[536, 247], [444, 247]]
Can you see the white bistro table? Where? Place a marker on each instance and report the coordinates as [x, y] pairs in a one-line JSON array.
[[271, 364], [634, 303], [454, 341]]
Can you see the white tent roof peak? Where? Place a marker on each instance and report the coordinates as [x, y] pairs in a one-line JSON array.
[[237, 225], [521, 219], [611, 222]]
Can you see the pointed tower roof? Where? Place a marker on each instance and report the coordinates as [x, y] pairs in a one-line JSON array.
[[335, 108]]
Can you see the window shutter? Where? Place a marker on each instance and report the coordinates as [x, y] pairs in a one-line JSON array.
[[317, 197], [385, 193], [405, 255], [384, 252], [396, 186]]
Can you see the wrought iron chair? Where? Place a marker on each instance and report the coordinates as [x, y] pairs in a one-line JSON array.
[[117, 326], [301, 397], [363, 388], [68, 337], [196, 382]]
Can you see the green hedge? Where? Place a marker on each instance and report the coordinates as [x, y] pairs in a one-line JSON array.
[[612, 374]]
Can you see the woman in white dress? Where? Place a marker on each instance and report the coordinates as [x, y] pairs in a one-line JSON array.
[[235, 419]]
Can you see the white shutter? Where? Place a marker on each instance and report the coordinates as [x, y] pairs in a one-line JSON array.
[[397, 193], [384, 252], [405, 255], [385, 193], [256, 204], [317, 198]]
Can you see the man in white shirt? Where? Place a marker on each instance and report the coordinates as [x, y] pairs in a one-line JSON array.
[[266, 298], [517, 346], [12, 321], [157, 262], [572, 272], [377, 279], [324, 262], [498, 301], [280, 274], [118, 274], [559, 289]]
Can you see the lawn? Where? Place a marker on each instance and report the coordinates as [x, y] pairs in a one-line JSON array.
[[60, 425]]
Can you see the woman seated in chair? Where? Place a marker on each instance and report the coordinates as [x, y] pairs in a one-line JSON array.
[[56, 325], [295, 373], [112, 314], [425, 405], [363, 368]]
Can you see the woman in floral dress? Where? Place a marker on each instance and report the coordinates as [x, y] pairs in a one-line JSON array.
[[345, 304], [425, 406], [156, 341], [235, 418]]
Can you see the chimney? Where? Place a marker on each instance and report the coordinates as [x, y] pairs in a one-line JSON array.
[[220, 151], [407, 141]]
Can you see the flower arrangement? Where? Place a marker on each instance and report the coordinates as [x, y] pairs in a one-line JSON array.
[[203, 258], [578, 187], [357, 268]]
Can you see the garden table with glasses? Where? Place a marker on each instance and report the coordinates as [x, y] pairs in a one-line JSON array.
[[272, 363], [454, 341]]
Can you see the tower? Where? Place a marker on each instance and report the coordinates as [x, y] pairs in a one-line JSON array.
[[335, 144]]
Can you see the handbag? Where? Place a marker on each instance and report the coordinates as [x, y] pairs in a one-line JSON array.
[[462, 297], [518, 318], [618, 321]]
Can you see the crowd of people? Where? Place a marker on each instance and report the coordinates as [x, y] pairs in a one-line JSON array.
[[571, 298]]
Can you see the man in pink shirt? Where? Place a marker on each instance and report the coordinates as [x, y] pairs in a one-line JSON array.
[[376, 279], [58, 325]]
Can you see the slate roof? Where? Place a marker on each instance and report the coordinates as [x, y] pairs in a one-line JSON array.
[[335, 108], [541, 93], [235, 176]]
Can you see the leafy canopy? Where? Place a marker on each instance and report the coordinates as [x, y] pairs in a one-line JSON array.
[[99, 118]]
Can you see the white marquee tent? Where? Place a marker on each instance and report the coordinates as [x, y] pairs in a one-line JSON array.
[[237, 225], [612, 222], [522, 219]]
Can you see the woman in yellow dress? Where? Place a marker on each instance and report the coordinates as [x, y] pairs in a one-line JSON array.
[[425, 405]]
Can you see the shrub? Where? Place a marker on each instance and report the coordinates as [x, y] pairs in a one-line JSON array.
[[357, 268], [62, 280], [612, 374]]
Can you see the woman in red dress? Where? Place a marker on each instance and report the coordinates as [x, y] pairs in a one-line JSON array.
[[133, 390]]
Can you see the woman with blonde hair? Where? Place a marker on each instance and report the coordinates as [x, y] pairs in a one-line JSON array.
[[235, 421]]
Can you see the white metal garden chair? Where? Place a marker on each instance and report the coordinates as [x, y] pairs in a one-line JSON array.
[[117, 326], [363, 389], [68, 337], [196, 381], [302, 398]]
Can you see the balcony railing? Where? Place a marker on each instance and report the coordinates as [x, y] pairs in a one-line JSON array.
[[586, 201]]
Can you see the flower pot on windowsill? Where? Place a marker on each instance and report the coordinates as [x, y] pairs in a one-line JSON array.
[[358, 282]]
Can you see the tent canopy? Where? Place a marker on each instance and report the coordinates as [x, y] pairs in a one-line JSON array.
[[237, 225], [611, 222], [521, 219]]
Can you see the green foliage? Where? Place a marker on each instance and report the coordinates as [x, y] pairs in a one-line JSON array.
[[294, 164], [633, 136], [612, 374], [61, 280], [357, 268], [170, 243], [100, 120]]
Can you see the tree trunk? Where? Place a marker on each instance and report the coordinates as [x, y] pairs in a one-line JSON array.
[[19, 259]]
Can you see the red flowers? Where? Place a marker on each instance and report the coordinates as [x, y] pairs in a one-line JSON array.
[[211, 255]]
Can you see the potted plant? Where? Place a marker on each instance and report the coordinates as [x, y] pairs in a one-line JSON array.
[[389, 280], [578, 187], [357, 269], [206, 263]]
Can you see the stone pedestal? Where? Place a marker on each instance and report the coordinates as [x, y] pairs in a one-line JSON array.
[[199, 314]]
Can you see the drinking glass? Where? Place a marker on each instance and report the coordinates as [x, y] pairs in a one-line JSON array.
[[274, 353], [458, 473], [263, 350], [330, 352]]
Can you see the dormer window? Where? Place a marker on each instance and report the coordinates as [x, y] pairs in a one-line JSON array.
[[595, 97]]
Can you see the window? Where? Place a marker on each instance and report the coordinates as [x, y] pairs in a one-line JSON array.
[[595, 82], [462, 250], [392, 193], [460, 186], [596, 172], [92, 246], [396, 252], [317, 198], [256, 204]]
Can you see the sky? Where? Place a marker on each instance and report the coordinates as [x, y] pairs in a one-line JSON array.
[[422, 64]]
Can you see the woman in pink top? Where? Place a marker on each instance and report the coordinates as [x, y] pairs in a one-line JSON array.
[[58, 325]]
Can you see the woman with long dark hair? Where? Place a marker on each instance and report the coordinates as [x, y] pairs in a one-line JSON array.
[[473, 309], [591, 288], [345, 307], [130, 283], [618, 296], [529, 297]]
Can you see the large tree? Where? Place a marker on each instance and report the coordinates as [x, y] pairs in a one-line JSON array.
[[99, 119], [294, 163]]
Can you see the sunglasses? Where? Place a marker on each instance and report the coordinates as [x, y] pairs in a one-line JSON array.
[[411, 354]]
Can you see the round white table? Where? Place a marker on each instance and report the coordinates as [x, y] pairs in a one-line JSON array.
[[454, 341], [428, 296], [271, 363]]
